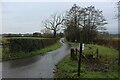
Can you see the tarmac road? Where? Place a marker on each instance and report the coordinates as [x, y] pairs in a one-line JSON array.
[[40, 66]]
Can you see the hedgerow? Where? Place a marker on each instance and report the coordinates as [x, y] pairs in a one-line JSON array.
[[111, 43], [16, 45]]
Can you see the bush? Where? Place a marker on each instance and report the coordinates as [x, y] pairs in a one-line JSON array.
[[26, 45]]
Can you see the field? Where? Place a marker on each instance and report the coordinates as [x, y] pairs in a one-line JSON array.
[[106, 68], [111, 42]]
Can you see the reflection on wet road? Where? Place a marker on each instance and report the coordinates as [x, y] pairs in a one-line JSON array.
[[35, 67]]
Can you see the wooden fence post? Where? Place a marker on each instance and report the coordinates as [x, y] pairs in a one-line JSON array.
[[97, 53], [97, 56], [79, 63], [76, 54], [72, 54]]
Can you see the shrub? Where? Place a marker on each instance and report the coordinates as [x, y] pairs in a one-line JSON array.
[[16, 45]]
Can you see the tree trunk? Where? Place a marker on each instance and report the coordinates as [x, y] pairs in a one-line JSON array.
[[54, 34]]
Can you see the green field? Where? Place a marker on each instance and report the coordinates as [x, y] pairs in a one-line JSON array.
[[111, 53], [116, 38], [68, 68]]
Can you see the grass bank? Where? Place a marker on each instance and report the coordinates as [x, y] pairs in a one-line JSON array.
[[68, 68], [33, 53]]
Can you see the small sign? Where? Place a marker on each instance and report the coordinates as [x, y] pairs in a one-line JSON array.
[[83, 46]]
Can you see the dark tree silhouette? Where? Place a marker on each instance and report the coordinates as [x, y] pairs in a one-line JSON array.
[[91, 20], [54, 23], [72, 31], [119, 10], [84, 21]]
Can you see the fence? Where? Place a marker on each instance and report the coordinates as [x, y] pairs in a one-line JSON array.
[[78, 54]]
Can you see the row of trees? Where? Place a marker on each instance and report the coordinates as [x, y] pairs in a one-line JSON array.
[[80, 24], [83, 23]]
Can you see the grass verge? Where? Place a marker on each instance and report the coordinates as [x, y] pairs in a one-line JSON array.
[[33, 53], [68, 68]]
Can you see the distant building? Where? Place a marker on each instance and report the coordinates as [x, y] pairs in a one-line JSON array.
[[37, 34], [22, 35]]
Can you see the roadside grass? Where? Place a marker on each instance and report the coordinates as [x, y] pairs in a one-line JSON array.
[[116, 38], [47, 49], [67, 68], [20, 55], [97, 74], [0, 40]]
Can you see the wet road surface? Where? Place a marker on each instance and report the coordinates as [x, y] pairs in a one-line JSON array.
[[37, 66]]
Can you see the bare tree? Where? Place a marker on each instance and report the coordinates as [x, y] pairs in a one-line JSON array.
[[91, 21], [84, 22], [119, 10], [72, 31], [54, 23], [46, 31]]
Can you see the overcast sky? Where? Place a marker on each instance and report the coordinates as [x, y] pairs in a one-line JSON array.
[[27, 17]]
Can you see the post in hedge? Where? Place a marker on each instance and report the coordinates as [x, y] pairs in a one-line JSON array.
[[97, 55], [76, 54], [72, 54], [79, 63]]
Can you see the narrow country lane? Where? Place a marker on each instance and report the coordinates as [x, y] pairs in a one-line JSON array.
[[37, 66]]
